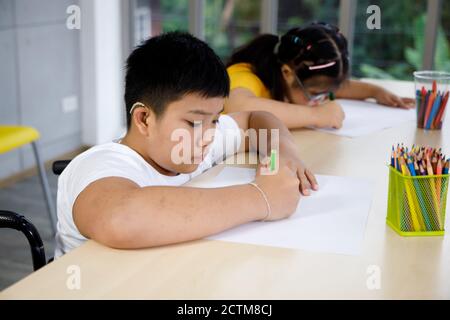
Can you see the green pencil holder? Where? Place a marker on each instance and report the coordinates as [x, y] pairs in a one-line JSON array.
[[417, 204]]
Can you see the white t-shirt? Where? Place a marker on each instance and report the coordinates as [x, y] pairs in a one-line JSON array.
[[117, 160]]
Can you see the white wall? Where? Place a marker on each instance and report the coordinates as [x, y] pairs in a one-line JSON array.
[[102, 70], [39, 78]]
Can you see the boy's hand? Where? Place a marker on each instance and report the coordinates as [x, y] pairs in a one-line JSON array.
[[307, 180], [329, 115], [383, 96], [281, 190]]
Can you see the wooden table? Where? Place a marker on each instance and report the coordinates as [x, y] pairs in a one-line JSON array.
[[409, 267]]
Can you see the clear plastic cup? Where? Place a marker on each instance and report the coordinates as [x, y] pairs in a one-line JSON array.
[[432, 89]]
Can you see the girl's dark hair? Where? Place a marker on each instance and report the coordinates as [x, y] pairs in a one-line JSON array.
[[301, 48]]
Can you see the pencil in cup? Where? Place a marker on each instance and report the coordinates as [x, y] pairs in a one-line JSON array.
[[411, 204], [418, 186], [432, 95]]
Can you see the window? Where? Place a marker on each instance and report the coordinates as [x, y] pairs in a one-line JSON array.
[[230, 24], [295, 13], [152, 17], [395, 50], [442, 55]]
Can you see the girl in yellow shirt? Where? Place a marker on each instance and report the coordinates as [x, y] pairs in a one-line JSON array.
[[288, 75]]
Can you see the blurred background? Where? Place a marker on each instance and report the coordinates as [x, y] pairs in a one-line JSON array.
[[62, 68]]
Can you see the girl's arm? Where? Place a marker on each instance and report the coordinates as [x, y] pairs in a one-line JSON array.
[[358, 90], [329, 115]]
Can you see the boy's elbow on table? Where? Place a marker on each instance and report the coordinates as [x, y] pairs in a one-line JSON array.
[[124, 232]]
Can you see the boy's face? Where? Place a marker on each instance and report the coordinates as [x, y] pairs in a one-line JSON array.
[[178, 140]]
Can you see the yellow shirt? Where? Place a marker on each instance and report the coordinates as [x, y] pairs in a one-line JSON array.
[[241, 75]]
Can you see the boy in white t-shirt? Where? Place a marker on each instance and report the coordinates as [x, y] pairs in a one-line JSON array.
[[129, 194]]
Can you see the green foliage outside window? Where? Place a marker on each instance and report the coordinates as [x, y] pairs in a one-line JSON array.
[[393, 52]]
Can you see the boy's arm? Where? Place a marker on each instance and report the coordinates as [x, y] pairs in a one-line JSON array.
[[118, 213], [360, 90], [288, 152], [294, 116]]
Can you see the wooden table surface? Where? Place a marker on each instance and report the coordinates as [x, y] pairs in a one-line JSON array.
[[205, 269]]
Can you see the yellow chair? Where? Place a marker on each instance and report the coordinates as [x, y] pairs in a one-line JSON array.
[[13, 137]]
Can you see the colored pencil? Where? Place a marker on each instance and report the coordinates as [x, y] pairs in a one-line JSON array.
[[410, 196], [440, 115], [434, 111]]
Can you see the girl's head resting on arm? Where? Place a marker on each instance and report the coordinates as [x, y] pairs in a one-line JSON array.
[[302, 66]]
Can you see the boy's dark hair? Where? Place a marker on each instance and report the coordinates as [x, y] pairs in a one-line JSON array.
[[168, 66], [315, 44]]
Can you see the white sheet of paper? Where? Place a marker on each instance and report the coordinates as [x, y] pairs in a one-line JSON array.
[[362, 118], [331, 220]]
